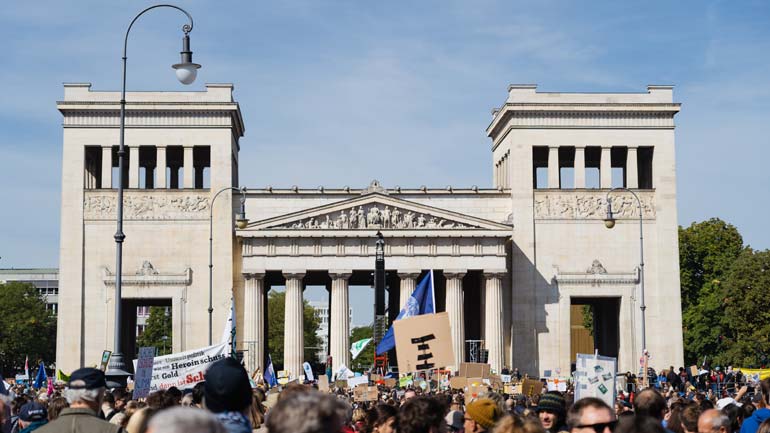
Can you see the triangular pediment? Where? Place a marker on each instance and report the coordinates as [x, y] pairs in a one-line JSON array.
[[376, 211]]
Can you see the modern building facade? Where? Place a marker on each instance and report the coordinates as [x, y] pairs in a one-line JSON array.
[[509, 261]]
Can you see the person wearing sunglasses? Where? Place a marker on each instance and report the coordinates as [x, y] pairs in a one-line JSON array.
[[591, 415]]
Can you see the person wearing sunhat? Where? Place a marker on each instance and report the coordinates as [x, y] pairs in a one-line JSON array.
[[551, 412], [481, 415], [32, 416], [85, 392]]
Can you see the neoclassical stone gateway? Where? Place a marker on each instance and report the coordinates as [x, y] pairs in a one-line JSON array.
[[510, 261]]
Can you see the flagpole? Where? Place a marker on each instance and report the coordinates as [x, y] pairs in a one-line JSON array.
[[433, 290]]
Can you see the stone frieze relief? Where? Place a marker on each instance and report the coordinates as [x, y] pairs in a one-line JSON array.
[[374, 216], [591, 205], [147, 206]]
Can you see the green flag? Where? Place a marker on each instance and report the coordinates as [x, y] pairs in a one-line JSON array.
[[357, 347]]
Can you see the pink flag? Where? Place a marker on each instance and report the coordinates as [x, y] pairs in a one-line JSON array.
[[50, 386], [26, 367]]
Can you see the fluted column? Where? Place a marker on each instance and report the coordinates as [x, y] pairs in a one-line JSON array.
[[133, 167], [454, 307], [106, 167], [407, 286], [293, 335], [253, 320], [339, 324], [493, 324]]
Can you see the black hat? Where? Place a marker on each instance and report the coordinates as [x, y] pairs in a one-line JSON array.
[[33, 412], [87, 378], [227, 387], [552, 401]]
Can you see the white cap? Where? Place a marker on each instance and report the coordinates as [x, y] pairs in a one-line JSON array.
[[724, 402]]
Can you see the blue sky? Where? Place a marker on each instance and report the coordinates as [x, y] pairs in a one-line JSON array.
[[397, 91]]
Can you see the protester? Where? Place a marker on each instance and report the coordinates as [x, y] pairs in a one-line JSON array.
[[481, 415], [184, 420], [590, 415], [385, 419], [85, 393], [551, 411], [638, 424], [227, 393], [32, 416], [713, 421], [55, 407], [421, 415], [690, 416], [751, 424], [306, 412]]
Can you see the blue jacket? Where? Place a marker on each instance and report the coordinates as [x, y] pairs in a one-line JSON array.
[[751, 424]]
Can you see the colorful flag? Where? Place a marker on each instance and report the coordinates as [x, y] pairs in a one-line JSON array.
[[41, 377], [50, 387], [270, 378], [228, 334], [422, 301], [26, 367], [3, 388], [357, 347], [61, 377]]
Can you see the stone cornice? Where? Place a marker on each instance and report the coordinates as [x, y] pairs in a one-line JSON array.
[[149, 278], [596, 275]]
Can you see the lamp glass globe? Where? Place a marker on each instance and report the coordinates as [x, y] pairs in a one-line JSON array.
[[186, 73]]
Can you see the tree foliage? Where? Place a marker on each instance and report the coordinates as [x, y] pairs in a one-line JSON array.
[[26, 328], [365, 359], [158, 326], [275, 327]]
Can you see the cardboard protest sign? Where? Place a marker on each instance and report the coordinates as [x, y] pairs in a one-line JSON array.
[[557, 384], [365, 393], [458, 382], [530, 387], [474, 369], [694, 370], [389, 382], [595, 377], [143, 375], [423, 342], [341, 383], [323, 383], [476, 386]]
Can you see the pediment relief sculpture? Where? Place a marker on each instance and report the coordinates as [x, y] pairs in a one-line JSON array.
[[375, 216]]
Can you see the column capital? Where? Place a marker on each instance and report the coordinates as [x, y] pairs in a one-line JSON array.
[[633, 147], [495, 273], [579, 146], [455, 273], [340, 274], [253, 275], [408, 273], [553, 146], [294, 274]]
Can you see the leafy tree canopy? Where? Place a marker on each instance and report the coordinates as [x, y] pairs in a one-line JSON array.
[[26, 328], [157, 332]]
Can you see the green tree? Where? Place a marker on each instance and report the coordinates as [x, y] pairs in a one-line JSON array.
[[275, 321], [745, 290], [157, 332], [365, 359], [26, 328], [707, 251]]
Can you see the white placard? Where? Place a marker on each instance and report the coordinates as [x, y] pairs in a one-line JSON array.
[[359, 380], [595, 377], [183, 370]]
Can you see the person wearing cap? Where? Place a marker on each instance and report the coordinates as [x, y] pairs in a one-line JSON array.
[[85, 392], [454, 421], [551, 412], [227, 393], [32, 416], [481, 415]]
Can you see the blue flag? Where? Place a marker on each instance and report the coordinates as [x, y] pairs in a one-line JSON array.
[[270, 378], [422, 301], [41, 377]]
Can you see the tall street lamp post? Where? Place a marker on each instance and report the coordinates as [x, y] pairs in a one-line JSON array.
[[609, 222], [240, 221], [186, 72]]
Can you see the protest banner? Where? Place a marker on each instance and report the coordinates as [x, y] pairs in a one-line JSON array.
[[143, 375], [595, 377], [405, 381], [755, 373], [183, 370], [358, 380], [423, 342], [557, 384], [365, 393], [530, 387]]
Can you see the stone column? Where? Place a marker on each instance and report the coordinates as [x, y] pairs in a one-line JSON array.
[[493, 323], [553, 167], [253, 321], [160, 158], [189, 169], [106, 167], [580, 167], [339, 323], [293, 335], [454, 307], [632, 169], [408, 284], [133, 167], [605, 170]]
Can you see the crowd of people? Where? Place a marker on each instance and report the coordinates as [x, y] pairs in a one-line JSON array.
[[227, 402]]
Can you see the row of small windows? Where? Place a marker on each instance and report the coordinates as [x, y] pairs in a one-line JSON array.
[[568, 167], [148, 167]]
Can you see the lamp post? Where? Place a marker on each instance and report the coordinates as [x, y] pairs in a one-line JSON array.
[[609, 222], [186, 72], [240, 221]]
